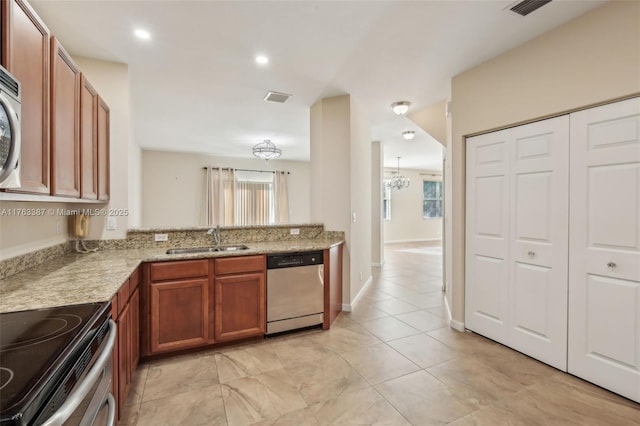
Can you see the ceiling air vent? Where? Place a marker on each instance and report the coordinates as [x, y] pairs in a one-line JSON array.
[[276, 97], [525, 7]]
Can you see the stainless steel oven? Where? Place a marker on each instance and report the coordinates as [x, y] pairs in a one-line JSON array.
[[55, 366], [9, 130]]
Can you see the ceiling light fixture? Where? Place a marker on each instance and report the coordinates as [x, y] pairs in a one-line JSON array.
[[142, 34], [408, 134], [266, 150], [262, 60], [400, 107], [398, 181]]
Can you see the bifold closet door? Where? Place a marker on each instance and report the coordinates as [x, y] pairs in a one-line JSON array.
[[516, 238], [487, 235], [604, 275], [538, 240]]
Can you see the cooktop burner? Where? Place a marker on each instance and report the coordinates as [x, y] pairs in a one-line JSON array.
[[35, 345]]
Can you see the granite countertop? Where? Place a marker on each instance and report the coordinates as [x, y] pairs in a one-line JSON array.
[[96, 277]]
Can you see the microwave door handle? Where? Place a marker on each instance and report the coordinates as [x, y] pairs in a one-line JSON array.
[[78, 395], [14, 154]]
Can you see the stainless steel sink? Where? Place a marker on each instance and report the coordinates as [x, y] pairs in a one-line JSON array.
[[210, 249]]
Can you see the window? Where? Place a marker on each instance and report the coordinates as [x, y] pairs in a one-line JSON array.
[[432, 199], [386, 200], [254, 199]]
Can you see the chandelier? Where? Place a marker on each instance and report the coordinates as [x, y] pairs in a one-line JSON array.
[[266, 150], [398, 181]]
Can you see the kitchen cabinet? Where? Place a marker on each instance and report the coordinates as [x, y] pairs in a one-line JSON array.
[[65, 125], [25, 54], [178, 305], [88, 140], [104, 141], [333, 284], [126, 313], [240, 298]]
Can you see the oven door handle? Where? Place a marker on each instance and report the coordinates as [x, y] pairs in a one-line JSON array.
[[111, 402], [78, 395]]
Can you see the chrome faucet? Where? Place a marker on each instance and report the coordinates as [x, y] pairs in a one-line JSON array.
[[216, 234]]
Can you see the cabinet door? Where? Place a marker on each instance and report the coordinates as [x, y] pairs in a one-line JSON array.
[[604, 274], [88, 140], [487, 235], [65, 126], [179, 314], [124, 355], [240, 306], [134, 304], [25, 54], [103, 150]]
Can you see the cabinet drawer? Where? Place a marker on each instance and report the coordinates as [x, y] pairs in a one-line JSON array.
[[234, 265], [179, 269]]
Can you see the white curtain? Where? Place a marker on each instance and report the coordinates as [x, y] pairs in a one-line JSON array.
[[219, 196], [253, 201], [281, 197]]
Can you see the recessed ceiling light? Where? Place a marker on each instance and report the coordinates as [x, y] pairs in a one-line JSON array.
[[142, 34], [262, 60]]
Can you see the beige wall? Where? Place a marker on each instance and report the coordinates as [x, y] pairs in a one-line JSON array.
[[432, 120], [407, 223], [360, 126], [377, 227], [341, 182], [330, 174], [592, 59], [111, 80], [172, 186]]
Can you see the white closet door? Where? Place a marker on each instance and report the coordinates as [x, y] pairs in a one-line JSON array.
[[487, 235], [538, 243], [604, 264]]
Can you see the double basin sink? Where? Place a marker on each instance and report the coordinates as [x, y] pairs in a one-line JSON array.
[[210, 249]]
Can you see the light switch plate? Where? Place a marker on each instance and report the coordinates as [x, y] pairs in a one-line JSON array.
[[161, 237], [294, 231], [111, 223]]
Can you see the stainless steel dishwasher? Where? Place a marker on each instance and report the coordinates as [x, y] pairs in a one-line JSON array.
[[295, 291]]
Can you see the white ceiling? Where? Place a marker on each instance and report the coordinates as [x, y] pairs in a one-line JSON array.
[[196, 88]]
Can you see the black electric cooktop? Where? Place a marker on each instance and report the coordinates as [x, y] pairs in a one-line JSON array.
[[36, 348]]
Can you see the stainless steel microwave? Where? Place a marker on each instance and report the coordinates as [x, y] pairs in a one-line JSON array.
[[9, 130]]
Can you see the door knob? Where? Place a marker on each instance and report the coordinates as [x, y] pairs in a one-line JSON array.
[[611, 265]]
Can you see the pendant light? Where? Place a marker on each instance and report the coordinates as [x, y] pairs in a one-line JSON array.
[[398, 181]]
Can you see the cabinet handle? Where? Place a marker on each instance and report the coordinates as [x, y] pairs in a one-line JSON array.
[[532, 254], [611, 265]]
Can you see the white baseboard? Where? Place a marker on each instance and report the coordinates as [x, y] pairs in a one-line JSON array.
[[413, 240], [456, 325], [349, 307]]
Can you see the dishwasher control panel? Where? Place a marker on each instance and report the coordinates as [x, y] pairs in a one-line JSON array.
[[291, 260]]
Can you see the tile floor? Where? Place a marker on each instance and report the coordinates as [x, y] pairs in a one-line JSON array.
[[392, 361]]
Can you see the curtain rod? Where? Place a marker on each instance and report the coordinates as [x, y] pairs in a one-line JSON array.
[[245, 170]]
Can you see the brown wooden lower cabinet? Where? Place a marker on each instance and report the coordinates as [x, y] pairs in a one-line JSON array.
[[179, 314], [240, 306], [125, 311]]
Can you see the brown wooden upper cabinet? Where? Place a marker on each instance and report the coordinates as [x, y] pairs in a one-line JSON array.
[[25, 54], [88, 140], [103, 124], [65, 123]]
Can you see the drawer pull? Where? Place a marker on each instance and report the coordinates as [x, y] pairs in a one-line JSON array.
[[611, 265], [532, 254]]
